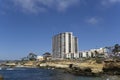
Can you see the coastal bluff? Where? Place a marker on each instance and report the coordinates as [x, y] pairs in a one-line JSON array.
[[85, 68], [75, 66], [112, 67], [91, 67]]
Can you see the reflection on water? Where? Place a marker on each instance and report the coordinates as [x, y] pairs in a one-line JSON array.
[[111, 78], [45, 74]]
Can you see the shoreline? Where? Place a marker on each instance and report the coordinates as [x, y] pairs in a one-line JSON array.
[[89, 68], [85, 68]]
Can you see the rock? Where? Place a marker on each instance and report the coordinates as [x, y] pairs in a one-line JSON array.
[[1, 77], [86, 69], [70, 65], [111, 67]]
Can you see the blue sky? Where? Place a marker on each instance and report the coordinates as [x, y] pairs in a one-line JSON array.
[[29, 25]]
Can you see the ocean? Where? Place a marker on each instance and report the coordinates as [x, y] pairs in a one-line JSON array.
[[47, 74]]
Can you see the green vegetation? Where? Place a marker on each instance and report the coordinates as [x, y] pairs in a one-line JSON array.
[[30, 57], [116, 49]]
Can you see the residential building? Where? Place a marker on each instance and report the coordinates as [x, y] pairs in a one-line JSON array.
[[40, 58], [65, 45], [101, 52], [47, 56]]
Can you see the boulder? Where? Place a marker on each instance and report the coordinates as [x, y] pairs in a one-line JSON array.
[[111, 67], [1, 77]]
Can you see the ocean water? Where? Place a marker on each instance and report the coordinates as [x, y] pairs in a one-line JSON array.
[[46, 74]]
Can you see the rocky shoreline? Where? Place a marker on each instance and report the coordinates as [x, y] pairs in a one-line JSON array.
[[76, 67], [72, 70], [85, 68]]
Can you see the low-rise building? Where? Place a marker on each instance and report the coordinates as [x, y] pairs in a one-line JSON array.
[[47, 56], [40, 58], [101, 52]]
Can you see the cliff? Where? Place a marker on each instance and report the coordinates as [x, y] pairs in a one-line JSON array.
[[89, 67]]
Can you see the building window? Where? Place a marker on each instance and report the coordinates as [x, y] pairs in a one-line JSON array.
[[69, 43]]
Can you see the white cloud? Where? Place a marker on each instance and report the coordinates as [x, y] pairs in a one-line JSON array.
[[109, 2], [93, 20], [36, 6], [114, 1]]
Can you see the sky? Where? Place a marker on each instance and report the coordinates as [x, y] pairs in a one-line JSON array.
[[29, 25]]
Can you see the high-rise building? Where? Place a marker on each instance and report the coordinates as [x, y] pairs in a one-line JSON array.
[[65, 45]]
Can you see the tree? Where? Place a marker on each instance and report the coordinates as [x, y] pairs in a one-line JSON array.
[[96, 53], [32, 56], [24, 59], [87, 55], [92, 54], [116, 49], [46, 55], [109, 49]]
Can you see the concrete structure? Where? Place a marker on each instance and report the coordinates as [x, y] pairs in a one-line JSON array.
[[101, 52], [64, 45]]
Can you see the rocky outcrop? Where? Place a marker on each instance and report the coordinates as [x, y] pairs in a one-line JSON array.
[[1, 77], [54, 65], [77, 68], [111, 67], [82, 71], [88, 68]]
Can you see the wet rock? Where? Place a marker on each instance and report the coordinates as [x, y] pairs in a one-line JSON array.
[[83, 71], [86, 69], [1, 77], [70, 65]]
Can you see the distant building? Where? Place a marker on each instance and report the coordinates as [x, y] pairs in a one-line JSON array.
[[101, 52], [40, 58], [65, 45], [47, 56]]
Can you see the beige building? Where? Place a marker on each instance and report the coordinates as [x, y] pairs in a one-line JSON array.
[[101, 52], [65, 45], [40, 58]]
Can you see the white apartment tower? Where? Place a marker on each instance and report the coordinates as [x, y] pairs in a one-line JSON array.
[[65, 45]]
